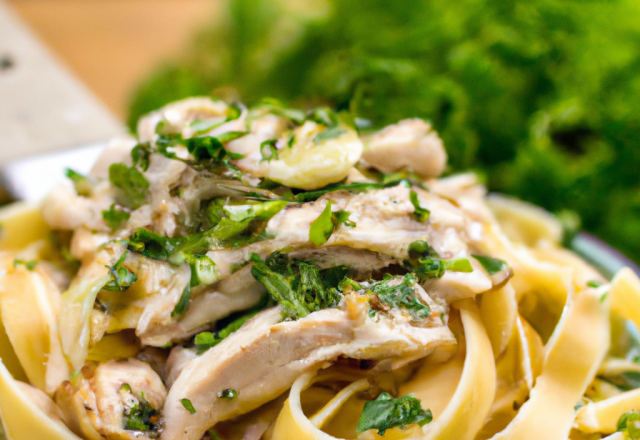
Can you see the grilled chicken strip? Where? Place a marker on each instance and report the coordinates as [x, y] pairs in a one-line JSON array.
[[118, 400], [262, 359]]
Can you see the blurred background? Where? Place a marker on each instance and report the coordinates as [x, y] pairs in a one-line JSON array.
[[540, 97]]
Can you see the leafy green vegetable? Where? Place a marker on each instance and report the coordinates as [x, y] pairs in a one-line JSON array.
[[386, 412], [183, 302], [139, 414], [81, 183], [228, 394], [30, 265], [188, 405], [401, 295], [629, 423], [421, 214], [491, 265], [322, 227], [300, 288], [268, 150], [115, 217], [132, 186], [206, 340], [121, 277]]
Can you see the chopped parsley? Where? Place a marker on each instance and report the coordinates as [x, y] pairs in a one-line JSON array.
[[139, 414], [121, 277], [401, 295], [386, 412], [183, 302], [30, 265], [115, 217], [594, 283], [491, 265], [206, 340], [322, 228], [228, 394], [132, 187], [299, 287], [188, 405], [81, 183], [421, 214], [629, 423], [426, 263], [268, 150]]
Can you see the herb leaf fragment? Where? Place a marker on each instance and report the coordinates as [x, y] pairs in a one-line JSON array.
[[228, 394], [629, 423], [139, 414], [186, 403], [81, 183], [115, 217], [491, 265], [299, 287], [401, 295], [132, 188], [421, 214], [386, 412], [206, 340], [121, 277], [30, 265], [322, 228]]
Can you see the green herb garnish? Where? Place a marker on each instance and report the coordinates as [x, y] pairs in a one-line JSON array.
[[183, 302], [322, 227], [138, 414], [386, 412], [401, 295], [629, 423], [299, 287], [121, 277], [30, 265], [491, 265], [132, 187], [206, 340], [115, 217], [328, 133], [81, 183], [188, 405], [268, 150], [421, 214], [594, 283]]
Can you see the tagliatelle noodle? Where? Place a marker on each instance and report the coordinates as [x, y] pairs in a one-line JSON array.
[[625, 295], [22, 418], [499, 310], [574, 353], [603, 416], [470, 402], [29, 302]]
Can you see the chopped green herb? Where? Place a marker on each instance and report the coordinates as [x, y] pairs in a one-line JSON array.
[[138, 414], [228, 394], [491, 265], [328, 133], [324, 116], [208, 148], [141, 156], [459, 265], [594, 283], [231, 135], [629, 423], [268, 150], [442, 317], [188, 405], [214, 435], [121, 277], [603, 297], [237, 266], [275, 107], [401, 295], [371, 313], [183, 302], [30, 265], [299, 287], [322, 227], [421, 214], [203, 270], [115, 217], [386, 412], [82, 184], [206, 340], [342, 218], [132, 186]]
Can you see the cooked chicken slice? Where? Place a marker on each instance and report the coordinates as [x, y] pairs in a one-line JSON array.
[[410, 145], [264, 357], [178, 359], [239, 291], [120, 399]]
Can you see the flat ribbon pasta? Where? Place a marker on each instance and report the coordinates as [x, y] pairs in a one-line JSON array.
[[22, 418], [602, 417], [574, 353]]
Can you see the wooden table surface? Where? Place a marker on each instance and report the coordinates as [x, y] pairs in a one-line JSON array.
[[110, 45]]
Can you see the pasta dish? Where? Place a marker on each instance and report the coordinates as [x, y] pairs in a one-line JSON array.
[[270, 273]]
